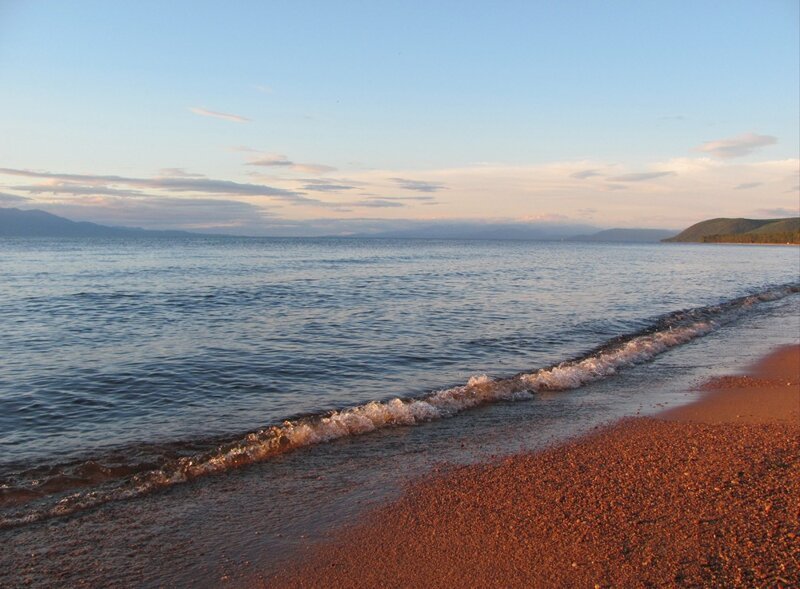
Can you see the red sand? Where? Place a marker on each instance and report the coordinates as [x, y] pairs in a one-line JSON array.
[[706, 495]]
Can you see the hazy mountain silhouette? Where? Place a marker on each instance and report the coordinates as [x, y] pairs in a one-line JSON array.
[[479, 230], [36, 223], [628, 235]]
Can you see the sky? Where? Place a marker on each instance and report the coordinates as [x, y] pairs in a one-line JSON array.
[[317, 118]]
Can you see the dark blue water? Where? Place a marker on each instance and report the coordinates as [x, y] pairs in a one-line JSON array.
[[127, 366]]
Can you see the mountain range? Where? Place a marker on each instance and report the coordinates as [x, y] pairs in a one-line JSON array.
[[36, 223]]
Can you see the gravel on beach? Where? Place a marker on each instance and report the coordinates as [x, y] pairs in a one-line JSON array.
[[706, 495]]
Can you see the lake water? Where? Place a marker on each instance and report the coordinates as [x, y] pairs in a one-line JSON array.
[[318, 373]]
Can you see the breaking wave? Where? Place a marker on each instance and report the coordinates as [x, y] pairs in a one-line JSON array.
[[109, 484]]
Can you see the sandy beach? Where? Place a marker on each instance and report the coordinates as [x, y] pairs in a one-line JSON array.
[[704, 495]]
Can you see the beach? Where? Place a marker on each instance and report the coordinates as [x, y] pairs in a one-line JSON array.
[[703, 495]]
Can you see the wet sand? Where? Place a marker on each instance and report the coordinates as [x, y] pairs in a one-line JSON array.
[[704, 495]]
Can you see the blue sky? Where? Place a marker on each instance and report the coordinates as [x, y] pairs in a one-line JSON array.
[[606, 113]]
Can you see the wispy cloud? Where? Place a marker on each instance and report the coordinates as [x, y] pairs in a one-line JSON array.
[[313, 168], [270, 160], [738, 146], [407, 198], [747, 185], [264, 89], [583, 174], [106, 184], [641, 176], [52, 186], [377, 203], [273, 160], [204, 112], [93, 187], [178, 173], [161, 212], [418, 185], [327, 187], [393, 201], [543, 217]]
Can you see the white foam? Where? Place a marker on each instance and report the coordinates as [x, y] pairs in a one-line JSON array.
[[640, 349], [479, 390]]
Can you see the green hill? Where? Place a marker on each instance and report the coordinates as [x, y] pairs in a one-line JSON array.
[[742, 231]]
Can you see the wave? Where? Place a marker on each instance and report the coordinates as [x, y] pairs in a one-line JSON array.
[[104, 482]]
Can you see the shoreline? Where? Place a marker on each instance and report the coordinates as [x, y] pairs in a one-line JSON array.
[[704, 494], [728, 243]]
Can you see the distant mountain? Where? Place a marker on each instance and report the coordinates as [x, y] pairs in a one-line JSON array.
[[627, 235], [36, 223], [724, 230], [467, 230]]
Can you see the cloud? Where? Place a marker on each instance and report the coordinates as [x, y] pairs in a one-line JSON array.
[[543, 217], [327, 187], [312, 168], [92, 187], [100, 184], [746, 185], [270, 160], [418, 185], [738, 146], [409, 198], [393, 201], [142, 189], [641, 177], [583, 174], [672, 118], [281, 161], [264, 89], [377, 203], [204, 112], [59, 187], [380, 202], [177, 173], [161, 212]]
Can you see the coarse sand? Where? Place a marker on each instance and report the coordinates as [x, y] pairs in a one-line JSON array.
[[707, 495]]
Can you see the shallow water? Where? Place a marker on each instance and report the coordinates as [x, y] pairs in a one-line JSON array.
[[123, 358]]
